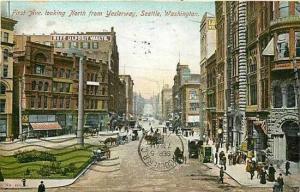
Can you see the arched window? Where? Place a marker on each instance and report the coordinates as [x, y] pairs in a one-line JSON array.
[[291, 99], [40, 86], [277, 96], [33, 85], [46, 86], [61, 73], [2, 88]]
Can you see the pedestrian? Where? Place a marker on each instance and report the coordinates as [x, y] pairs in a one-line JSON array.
[[230, 158], [234, 159], [24, 182], [42, 187], [271, 173], [224, 162], [216, 157], [287, 167], [184, 159], [221, 175], [276, 187], [227, 147], [280, 181], [263, 175]]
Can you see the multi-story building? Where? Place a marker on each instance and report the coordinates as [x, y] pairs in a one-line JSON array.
[[122, 101], [166, 103], [190, 102], [138, 104], [129, 95], [207, 48], [258, 44], [47, 87], [6, 75], [101, 46], [210, 131]]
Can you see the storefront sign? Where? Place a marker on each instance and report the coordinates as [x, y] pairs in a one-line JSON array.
[[80, 37]]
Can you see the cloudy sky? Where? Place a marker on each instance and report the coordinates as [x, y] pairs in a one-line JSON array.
[[149, 46]]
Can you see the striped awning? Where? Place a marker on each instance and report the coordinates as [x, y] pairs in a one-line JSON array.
[[44, 126]]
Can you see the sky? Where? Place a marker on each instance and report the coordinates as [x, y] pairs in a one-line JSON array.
[[149, 46]]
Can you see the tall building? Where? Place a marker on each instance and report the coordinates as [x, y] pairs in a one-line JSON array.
[[207, 49], [166, 103], [210, 131], [138, 104], [6, 75], [256, 67], [101, 46], [47, 89], [129, 95]]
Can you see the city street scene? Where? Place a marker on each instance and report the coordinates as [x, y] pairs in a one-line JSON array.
[[150, 96]]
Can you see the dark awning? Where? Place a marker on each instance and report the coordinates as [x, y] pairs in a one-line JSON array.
[[45, 126]]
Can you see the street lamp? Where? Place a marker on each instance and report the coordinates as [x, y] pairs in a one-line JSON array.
[[219, 131]]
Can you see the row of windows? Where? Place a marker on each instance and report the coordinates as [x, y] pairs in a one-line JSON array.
[[91, 104], [83, 45], [40, 86], [62, 73], [61, 87], [194, 106]]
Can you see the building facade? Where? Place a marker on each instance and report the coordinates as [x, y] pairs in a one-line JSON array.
[[48, 90], [166, 103], [101, 46], [128, 96], [6, 75], [256, 67], [207, 49]]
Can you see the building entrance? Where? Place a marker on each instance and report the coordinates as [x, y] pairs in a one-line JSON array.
[[291, 130]]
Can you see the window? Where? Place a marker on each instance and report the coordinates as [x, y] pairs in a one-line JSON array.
[[46, 86], [67, 86], [2, 105], [61, 87], [252, 66], [59, 44], [45, 102], [61, 73], [5, 54], [5, 37], [297, 43], [193, 95], [284, 8], [297, 8], [2, 89], [253, 94], [33, 85], [194, 106], [68, 73], [86, 45], [54, 86], [68, 102], [32, 102], [54, 72], [283, 45], [73, 44], [61, 105], [291, 99], [39, 101], [39, 69], [103, 91], [54, 102], [5, 70], [40, 86], [95, 45], [277, 97]]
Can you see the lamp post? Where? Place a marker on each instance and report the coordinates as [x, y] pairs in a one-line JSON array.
[[219, 131]]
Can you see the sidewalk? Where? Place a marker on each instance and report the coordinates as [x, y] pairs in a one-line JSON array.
[[238, 173]]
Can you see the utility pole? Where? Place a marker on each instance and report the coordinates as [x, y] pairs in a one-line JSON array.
[[20, 109], [80, 139]]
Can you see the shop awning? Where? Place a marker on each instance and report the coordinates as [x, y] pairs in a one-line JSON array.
[[262, 125], [45, 126]]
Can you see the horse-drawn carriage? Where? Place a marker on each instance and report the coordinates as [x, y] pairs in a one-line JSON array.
[[154, 139]]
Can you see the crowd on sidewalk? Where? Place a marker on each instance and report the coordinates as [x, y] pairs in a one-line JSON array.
[[265, 172]]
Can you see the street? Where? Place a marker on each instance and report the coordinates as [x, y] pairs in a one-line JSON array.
[[125, 171]]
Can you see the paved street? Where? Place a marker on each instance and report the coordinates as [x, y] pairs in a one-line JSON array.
[[126, 172]]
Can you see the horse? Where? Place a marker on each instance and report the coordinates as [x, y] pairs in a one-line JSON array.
[[110, 140]]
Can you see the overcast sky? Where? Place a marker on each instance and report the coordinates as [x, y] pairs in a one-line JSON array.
[[149, 46]]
